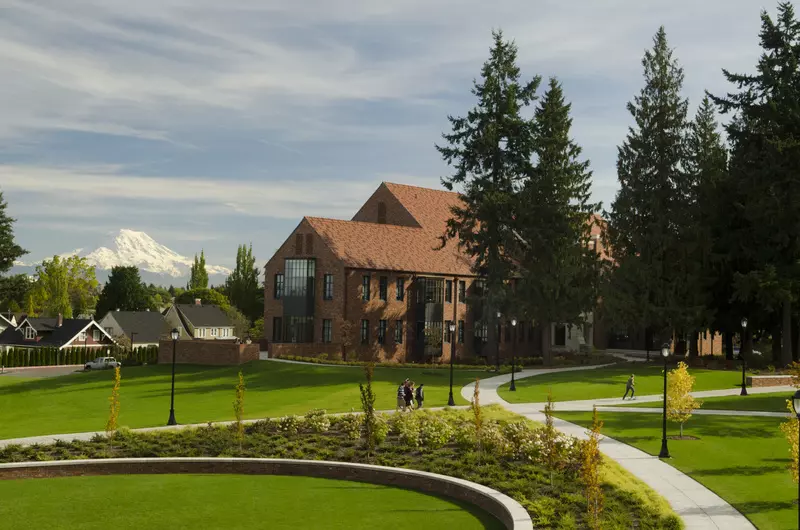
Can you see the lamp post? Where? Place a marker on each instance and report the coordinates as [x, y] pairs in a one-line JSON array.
[[664, 450], [175, 334], [796, 408], [452, 327], [513, 387], [133, 333], [497, 344], [744, 361]]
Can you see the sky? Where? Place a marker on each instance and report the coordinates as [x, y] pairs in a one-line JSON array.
[[207, 124]]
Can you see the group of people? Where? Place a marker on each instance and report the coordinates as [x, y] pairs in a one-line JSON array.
[[406, 395]]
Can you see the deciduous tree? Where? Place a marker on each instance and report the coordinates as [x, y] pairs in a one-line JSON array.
[[242, 286], [680, 402], [198, 278], [64, 285]]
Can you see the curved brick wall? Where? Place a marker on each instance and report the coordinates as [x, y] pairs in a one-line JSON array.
[[507, 510]]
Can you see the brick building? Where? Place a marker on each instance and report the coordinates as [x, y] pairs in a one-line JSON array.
[[379, 287]]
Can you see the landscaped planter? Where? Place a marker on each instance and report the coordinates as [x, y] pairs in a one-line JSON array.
[[768, 380]]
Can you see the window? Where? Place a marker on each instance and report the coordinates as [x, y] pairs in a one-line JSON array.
[[298, 244], [326, 330], [448, 291], [401, 288], [199, 333], [462, 291], [96, 335], [110, 331], [365, 287], [383, 288], [382, 331], [30, 333], [213, 332], [299, 277], [309, 243], [448, 337], [277, 329], [82, 336], [278, 286], [299, 329], [461, 331], [381, 213], [327, 287], [398, 331], [481, 331], [429, 290], [365, 332], [560, 335]]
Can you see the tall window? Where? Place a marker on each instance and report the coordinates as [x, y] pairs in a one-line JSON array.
[[82, 336], [365, 287], [461, 331], [327, 287], [401, 288], [448, 336], [30, 333], [299, 277], [299, 329], [278, 291], [448, 291], [398, 331], [462, 291], [383, 288], [327, 330], [429, 290], [382, 331], [481, 331], [365, 332], [96, 335], [277, 329]]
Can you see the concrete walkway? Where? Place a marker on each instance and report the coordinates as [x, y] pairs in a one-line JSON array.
[[699, 507]]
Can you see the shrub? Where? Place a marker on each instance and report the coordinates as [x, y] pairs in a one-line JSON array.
[[434, 431], [407, 428], [289, 424], [524, 441], [350, 425], [491, 440], [317, 420], [590, 473]]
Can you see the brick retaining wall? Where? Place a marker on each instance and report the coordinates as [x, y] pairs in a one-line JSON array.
[[505, 509], [768, 380], [215, 352]]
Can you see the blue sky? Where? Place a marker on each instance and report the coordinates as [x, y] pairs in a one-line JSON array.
[[207, 124]]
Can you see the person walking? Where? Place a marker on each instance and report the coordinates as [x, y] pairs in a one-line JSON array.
[[409, 395], [420, 395], [629, 387], [401, 396]]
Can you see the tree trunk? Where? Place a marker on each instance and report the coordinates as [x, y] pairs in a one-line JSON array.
[[681, 430], [795, 335], [694, 337], [776, 345], [786, 352], [546, 347], [728, 345]]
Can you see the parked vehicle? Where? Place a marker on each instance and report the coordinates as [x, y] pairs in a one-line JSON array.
[[101, 363]]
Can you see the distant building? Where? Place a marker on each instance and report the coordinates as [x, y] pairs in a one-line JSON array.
[[141, 328], [55, 332], [199, 321], [6, 321]]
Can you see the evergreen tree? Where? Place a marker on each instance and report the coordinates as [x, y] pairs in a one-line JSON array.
[[553, 216], [490, 151], [9, 250], [242, 286], [765, 172], [124, 290], [647, 216]]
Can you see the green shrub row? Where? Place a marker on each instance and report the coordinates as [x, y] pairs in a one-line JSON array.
[[52, 356]]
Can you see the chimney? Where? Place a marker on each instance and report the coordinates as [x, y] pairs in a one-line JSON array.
[[197, 301], [60, 321]]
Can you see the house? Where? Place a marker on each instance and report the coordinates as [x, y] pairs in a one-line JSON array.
[[380, 285], [58, 332], [142, 328], [199, 321], [6, 321]]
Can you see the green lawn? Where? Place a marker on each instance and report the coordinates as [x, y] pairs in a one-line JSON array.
[[608, 383], [772, 402], [228, 502], [742, 459], [79, 402]]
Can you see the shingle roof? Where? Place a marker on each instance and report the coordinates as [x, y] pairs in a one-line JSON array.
[[204, 315], [149, 326], [50, 333]]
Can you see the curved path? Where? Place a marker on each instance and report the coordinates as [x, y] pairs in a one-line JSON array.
[[699, 507]]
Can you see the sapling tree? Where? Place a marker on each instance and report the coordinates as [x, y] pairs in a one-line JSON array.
[[680, 403], [238, 409], [114, 406], [368, 406], [590, 472], [550, 445], [477, 416]]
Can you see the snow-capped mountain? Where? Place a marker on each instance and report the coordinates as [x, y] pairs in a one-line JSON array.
[[132, 248]]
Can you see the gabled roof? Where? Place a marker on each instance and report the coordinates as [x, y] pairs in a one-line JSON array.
[[6, 320], [430, 207], [204, 315], [48, 330], [149, 326]]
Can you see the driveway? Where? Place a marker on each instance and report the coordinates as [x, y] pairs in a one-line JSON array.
[[40, 372]]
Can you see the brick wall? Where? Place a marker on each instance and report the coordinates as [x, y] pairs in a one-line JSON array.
[[211, 352]]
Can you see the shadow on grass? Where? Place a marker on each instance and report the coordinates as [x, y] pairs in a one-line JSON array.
[[738, 471], [765, 506]]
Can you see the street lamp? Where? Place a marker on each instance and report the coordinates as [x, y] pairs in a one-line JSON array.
[[664, 450], [513, 347], [452, 327], [175, 334], [796, 408], [133, 333], [497, 344], [744, 361]]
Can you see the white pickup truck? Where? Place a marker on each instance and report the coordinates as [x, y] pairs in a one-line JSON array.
[[101, 363]]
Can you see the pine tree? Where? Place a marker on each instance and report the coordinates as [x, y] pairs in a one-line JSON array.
[[490, 151], [9, 250], [646, 217], [557, 268], [765, 158]]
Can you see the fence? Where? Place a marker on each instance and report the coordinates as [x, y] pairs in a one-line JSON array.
[[52, 356]]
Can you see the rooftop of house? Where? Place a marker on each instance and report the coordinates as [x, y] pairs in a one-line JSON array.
[[49, 331], [204, 315], [148, 326]]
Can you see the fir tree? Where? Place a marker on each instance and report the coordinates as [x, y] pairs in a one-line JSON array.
[[490, 151], [9, 250], [553, 214], [647, 215], [124, 290]]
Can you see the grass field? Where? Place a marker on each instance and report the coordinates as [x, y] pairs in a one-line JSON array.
[[226, 501], [772, 402], [79, 402], [742, 459], [608, 383]]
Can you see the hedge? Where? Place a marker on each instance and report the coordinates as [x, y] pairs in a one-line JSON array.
[[52, 356]]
